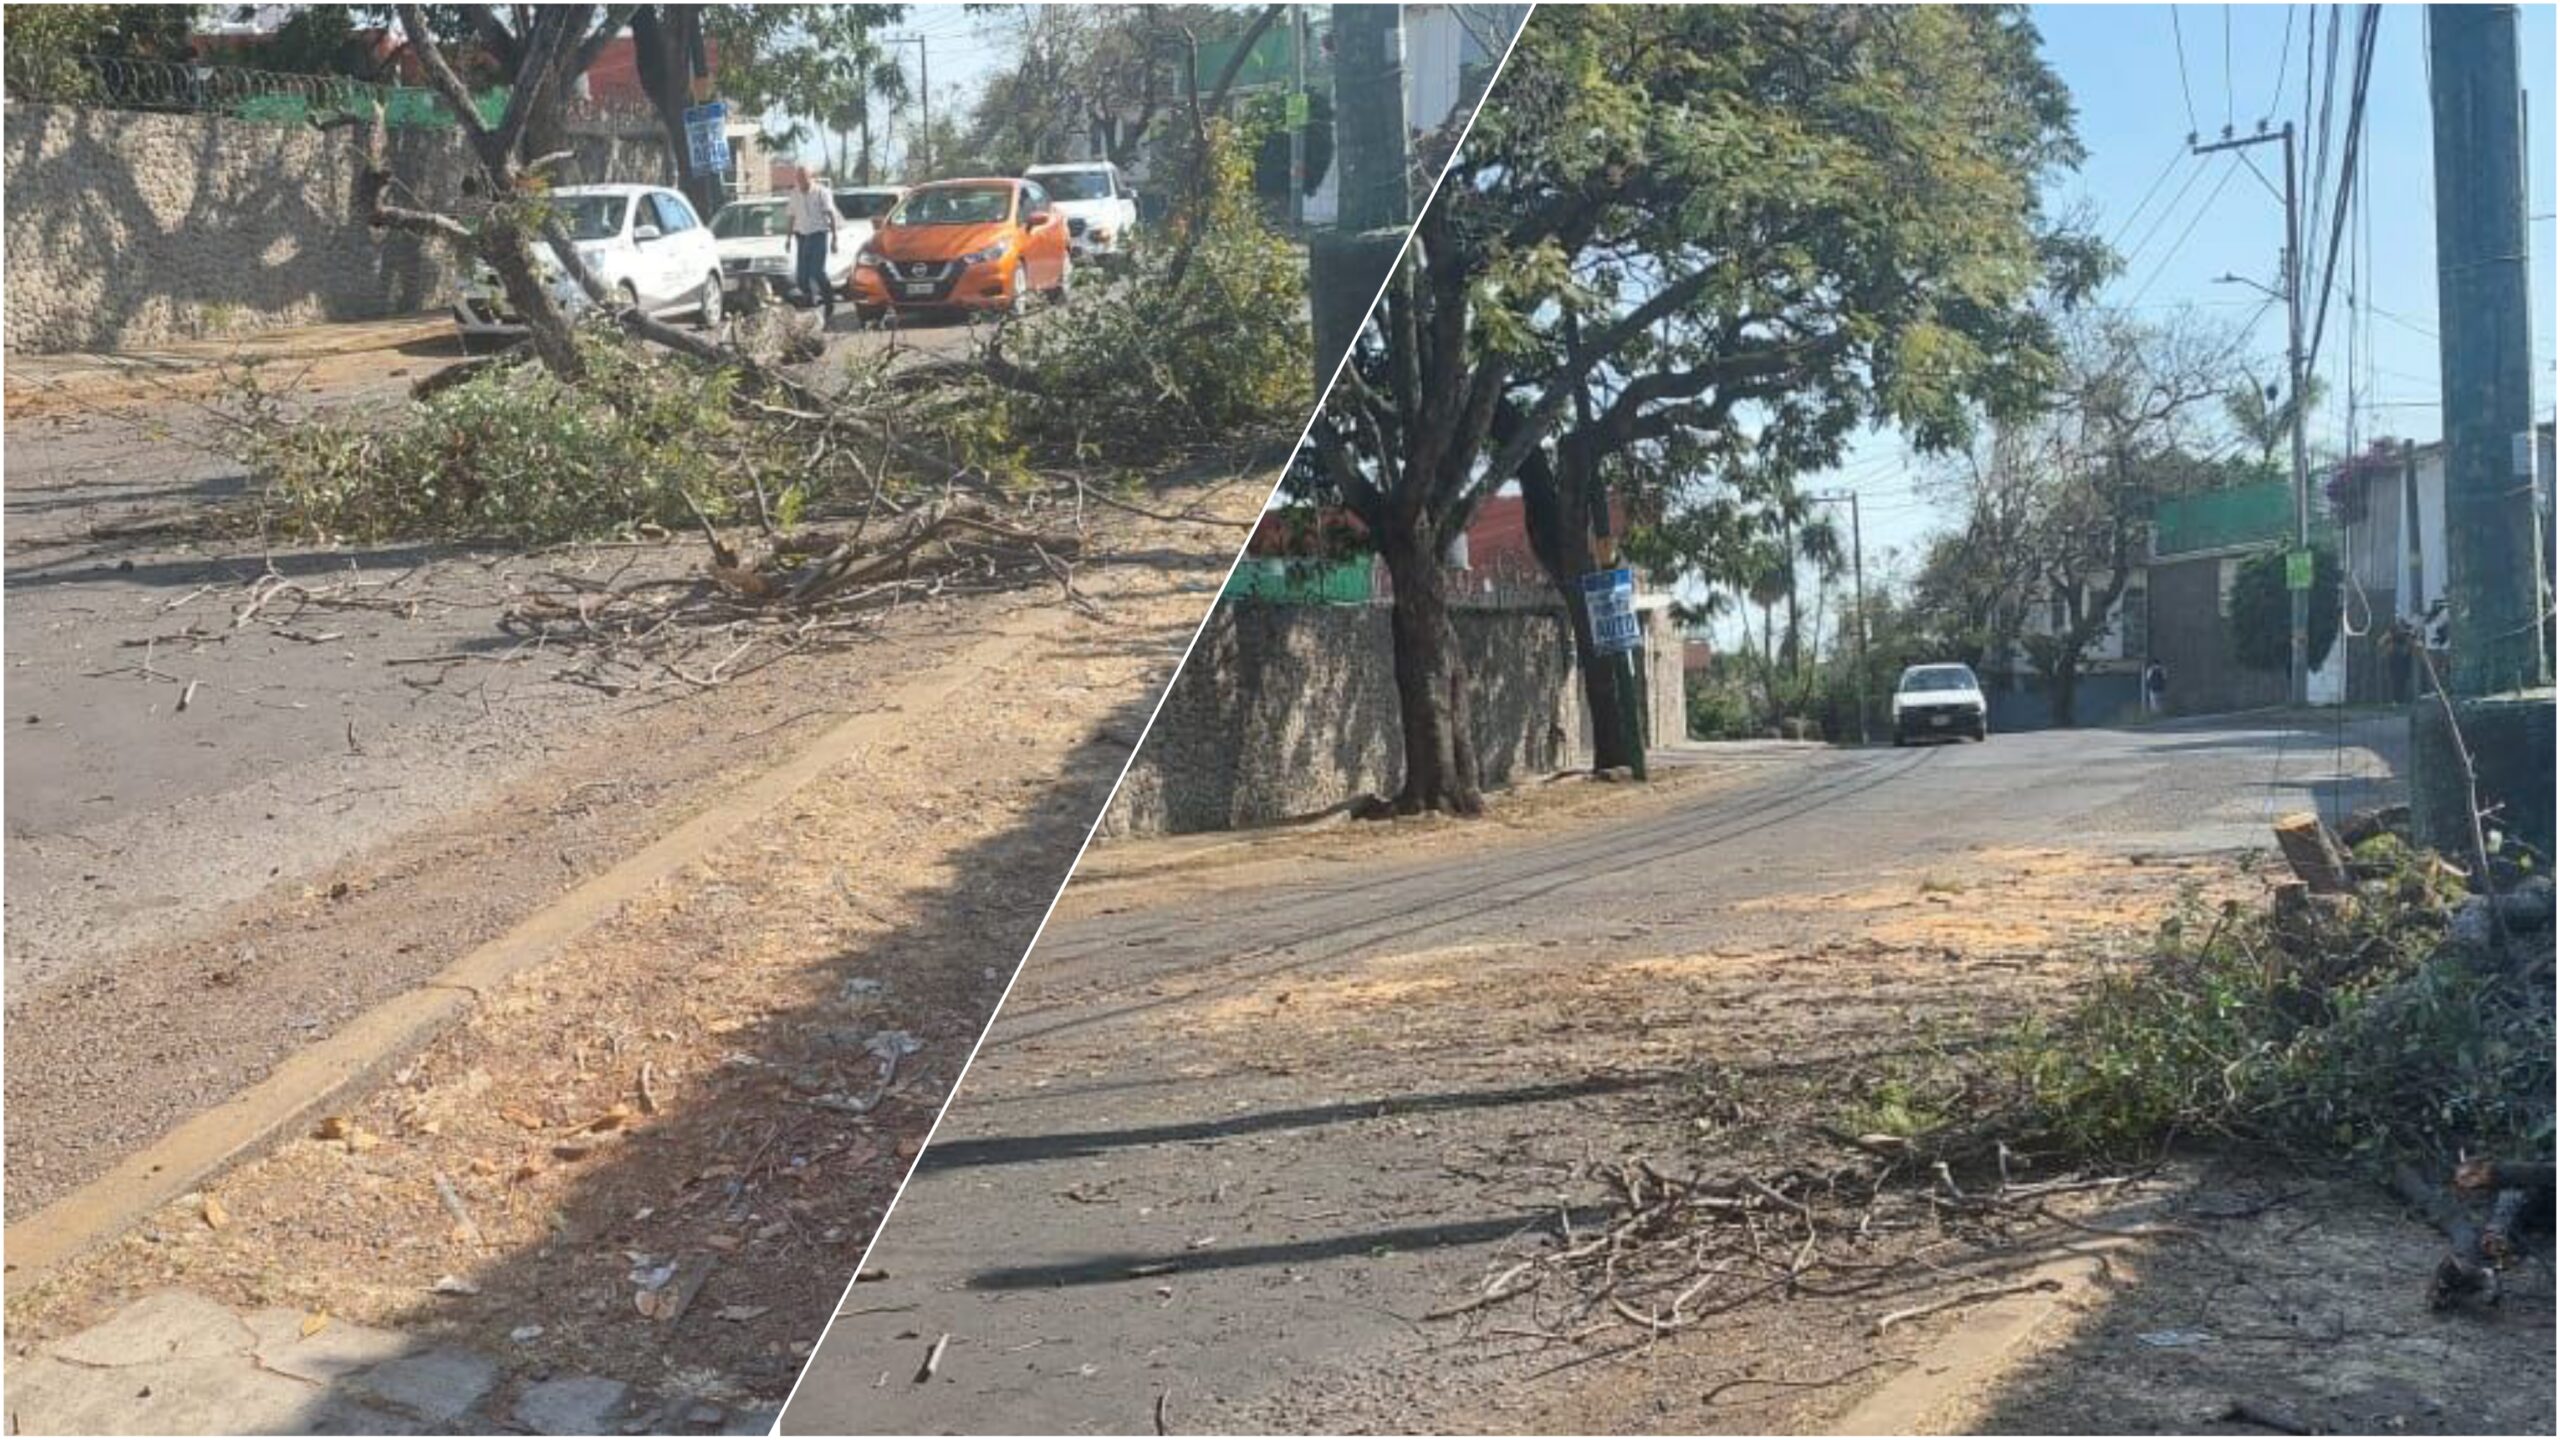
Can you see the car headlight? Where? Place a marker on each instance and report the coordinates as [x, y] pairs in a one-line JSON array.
[[981, 257], [1102, 236], [867, 255]]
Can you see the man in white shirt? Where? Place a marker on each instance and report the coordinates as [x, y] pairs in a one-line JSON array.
[[813, 234]]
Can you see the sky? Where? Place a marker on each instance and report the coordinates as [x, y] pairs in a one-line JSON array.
[[2121, 63], [2181, 221]]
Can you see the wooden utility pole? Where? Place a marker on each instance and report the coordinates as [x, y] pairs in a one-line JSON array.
[[2295, 363], [2492, 524]]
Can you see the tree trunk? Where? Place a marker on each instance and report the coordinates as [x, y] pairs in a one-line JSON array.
[[508, 249], [1611, 746], [2066, 692], [1431, 687]]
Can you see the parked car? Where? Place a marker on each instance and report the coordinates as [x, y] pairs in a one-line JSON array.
[[641, 240], [862, 206], [983, 244], [1940, 702], [1100, 206], [756, 260]]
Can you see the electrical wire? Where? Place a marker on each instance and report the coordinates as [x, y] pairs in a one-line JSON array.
[[2178, 36], [2184, 235], [2284, 61], [2176, 155], [2194, 173], [2350, 153]]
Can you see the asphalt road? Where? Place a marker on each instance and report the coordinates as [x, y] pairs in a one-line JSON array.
[[1219, 1155]]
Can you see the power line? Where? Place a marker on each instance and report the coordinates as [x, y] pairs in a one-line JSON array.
[[2228, 103], [2194, 173], [2284, 60], [2180, 243], [2350, 153], [2145, 202], [2178, 35]]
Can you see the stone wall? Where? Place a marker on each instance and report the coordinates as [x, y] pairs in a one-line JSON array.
[[127, 229], [1289, 710]]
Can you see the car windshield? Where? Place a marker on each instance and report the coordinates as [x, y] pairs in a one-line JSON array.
[[1938, 677], [1076, 184], [593, 217], [956, 205], [751, 222], [858, 205]]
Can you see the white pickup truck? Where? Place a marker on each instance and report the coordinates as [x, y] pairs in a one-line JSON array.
[[1101, 210]]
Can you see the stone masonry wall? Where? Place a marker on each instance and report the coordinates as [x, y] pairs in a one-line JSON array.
[[127, 229], [1288, 710]]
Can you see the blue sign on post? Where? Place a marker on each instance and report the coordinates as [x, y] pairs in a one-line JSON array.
[[706, 134], [1610, 598]]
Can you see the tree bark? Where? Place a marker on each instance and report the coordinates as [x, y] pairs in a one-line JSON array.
[[1440, 771]]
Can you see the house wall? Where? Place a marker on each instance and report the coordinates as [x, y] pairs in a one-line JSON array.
[[2189, 635], [127, 229], [1289, 710]]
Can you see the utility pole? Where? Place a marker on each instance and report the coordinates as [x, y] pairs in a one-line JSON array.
[[2294, 363], [2483, 298], [1348, 264], [1297, 107], [924, 97], [1858, 583]]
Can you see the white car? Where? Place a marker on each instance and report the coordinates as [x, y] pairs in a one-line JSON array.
[[1939, 702], [641, 240], [756, 259], [1100, 208]]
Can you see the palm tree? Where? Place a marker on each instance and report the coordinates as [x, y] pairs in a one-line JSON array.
[[2262, 419]]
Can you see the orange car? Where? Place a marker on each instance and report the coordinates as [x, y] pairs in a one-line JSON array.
[[964, 245]]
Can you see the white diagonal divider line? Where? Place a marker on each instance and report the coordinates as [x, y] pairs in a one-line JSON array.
[[1315, 407]]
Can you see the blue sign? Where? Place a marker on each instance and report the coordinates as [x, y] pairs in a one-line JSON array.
[[706, 134], [1610, 598]]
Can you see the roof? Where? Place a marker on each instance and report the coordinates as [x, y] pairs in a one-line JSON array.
[[616, 188], [1069, 167]]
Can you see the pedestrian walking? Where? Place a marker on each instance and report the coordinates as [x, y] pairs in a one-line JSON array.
[[813, 235], [2155, 687]]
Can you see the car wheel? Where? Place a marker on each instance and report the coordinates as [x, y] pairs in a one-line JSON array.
[[1981, 731], [628, 295], [870, 314], [710, 304]]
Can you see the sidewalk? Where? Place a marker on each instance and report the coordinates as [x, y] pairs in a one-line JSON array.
[[72, 374], [177, 1362]]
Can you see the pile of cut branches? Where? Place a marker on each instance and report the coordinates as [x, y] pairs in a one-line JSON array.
[[791, 593], [1664, 1253]]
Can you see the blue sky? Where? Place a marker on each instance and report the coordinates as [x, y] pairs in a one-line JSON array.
[[2121, 63]]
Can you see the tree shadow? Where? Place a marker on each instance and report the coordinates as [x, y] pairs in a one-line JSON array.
[[767, 1175], [2297, 1307], [263, 230]]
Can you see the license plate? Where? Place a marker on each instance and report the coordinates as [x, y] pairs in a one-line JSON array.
[[1938, 720], [917, 287]]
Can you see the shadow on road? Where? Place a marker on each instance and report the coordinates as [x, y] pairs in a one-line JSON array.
[[1445, 1235], [1029, 1149]]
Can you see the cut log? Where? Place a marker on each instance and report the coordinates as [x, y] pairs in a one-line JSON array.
[[2314, 854], [2464, 1271], [2495, 1175], [2498, 1236], [2374, 820]]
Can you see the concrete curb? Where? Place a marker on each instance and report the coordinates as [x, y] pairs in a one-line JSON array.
[[1919, 1400], [307, 1084]]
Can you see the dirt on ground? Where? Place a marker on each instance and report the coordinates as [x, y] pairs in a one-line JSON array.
[[665, 1147], [1269, 1144]]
